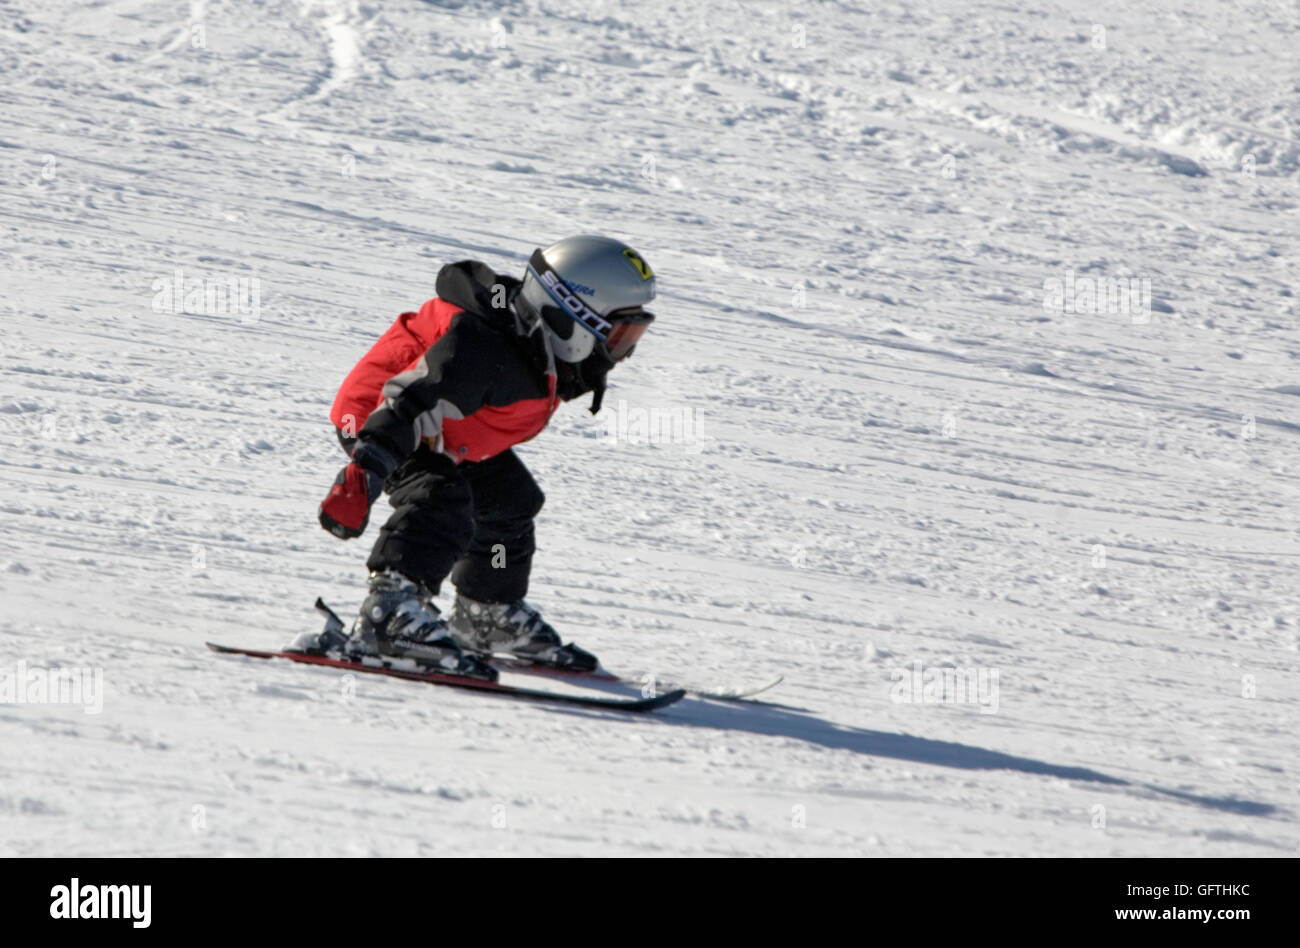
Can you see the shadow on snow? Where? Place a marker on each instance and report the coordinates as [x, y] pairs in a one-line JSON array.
[[759, 718]]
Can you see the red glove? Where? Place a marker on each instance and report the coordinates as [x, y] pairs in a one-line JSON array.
[[346, 511]]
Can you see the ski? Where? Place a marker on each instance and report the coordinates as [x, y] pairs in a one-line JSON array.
[[639, 705]]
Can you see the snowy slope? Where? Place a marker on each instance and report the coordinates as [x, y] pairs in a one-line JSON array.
[[871, 443]]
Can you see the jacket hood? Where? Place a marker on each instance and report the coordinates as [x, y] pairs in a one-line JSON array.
[[477, 288]]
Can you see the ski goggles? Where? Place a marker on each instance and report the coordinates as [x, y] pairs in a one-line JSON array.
[[617, 333], [629, 327]]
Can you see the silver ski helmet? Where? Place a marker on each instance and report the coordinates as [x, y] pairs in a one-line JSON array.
[[589, 293]]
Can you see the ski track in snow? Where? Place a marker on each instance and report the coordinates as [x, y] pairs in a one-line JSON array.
[[338, 22], [895, 454]]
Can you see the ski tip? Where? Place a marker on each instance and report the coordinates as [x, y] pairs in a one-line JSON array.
[[741, 693], [233, 650]]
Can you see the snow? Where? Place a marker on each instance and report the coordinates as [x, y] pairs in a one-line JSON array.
[[855, 440]]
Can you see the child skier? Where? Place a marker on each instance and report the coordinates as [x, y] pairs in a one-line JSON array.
[[430, 415]]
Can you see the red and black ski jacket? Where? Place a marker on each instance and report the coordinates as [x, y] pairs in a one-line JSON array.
[[462, 377]]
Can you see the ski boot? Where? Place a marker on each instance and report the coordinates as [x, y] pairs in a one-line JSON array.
[[398, 620], [517, 629]]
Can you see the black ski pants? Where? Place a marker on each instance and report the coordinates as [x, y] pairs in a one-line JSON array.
[[472, 520]]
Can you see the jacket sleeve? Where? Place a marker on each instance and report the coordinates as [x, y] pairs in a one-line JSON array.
[[359, 395], [451, 380]]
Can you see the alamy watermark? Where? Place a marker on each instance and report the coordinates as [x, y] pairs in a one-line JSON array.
[[23, 684], [75, 900], [239, 297], [1099, 296], [671, 425], [978, 686]]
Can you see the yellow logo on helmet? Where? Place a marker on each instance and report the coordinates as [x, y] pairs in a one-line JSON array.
[[642, 267]]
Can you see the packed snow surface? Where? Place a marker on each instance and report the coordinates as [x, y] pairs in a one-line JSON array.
[[972, 408]]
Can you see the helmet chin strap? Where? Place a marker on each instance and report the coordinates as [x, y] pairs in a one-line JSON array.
[[573, 383], [601, 365]]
